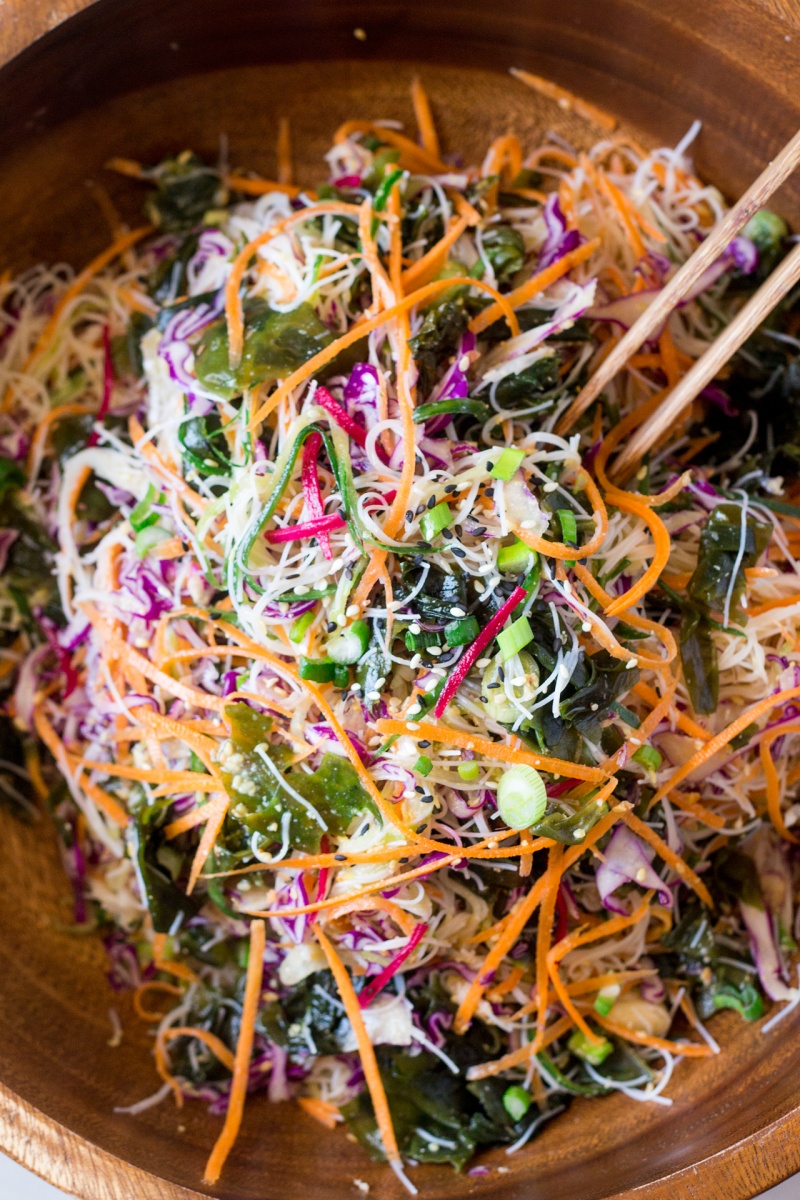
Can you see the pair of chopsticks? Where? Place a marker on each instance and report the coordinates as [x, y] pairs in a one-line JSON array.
[[771, 292]]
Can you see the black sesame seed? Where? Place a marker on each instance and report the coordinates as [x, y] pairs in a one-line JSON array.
[[459, 530], [447, 534], [424, 545], [478, 530], [340, 858], [484, 699], [427, 799], [459, 553], [404, 860], [410, 515], [331, 627], [423, 745], [420, 509], [421, 790], [492, 685], [502, 673], [490, 467], [451, 487], [490, 493], [431, 502]]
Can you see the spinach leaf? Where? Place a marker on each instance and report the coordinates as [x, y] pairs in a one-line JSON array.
[[505, 249], [438, 339], [275, 344], [185, 191]]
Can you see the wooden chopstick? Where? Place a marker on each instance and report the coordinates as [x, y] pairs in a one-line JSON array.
[[684, 280], [759, 306]]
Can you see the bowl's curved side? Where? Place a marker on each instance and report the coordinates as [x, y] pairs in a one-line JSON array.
[[734, 1128]]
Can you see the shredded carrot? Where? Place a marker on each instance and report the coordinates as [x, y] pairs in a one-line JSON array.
[[427, 268], [685, 1049], [417, 157], [524, 1054], [215, 811], [284, 152], [631, 504], [214, 1044], [772, 781], [533, 286], [608, 640], [39, 439], [566, 100], [509, 983], [365, 1049], [500, 751], [244, 1047], [721, 740], [152, 985], [424, 118], [321, 1110], [544, 932], [504, 158], [401, 918], [561, 549], [770, 605], [682, 719]]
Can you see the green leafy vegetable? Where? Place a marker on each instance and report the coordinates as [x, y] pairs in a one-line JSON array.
[[437, 340], [158, 868], [505, 249], [185, 191]]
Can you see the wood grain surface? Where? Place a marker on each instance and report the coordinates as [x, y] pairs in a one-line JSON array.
[[143, 77]]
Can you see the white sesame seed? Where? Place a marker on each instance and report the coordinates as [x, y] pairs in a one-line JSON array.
[[630, 664], [380, 682], [586, 627], [352, 610], [414, 710], [415, 661], [412, 725], [341, 620], [550, 487], [302, 589], [463, 362], [373, 695], [482, 663], [529, 524], [434, 650], [641, 875], [414, 628], [457, 612]]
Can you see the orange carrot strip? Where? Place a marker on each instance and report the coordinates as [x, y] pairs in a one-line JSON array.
[[365, 1049], [750, 715], [507, 985], [403, 920], [682, 719], [419, 159], [107, 804], [260, 187], [426, 268], [607, 638], [561, 549], [533, 286], [773, 783], [321, 1110], [500, 751], [215, 1044], [626, 502], [284, 151], [769, 605], [544, 932], [152, 985], [670, 857], [565, 99], [517, 1058], [424, 118], [685, 1049], [244, 1047], [216, 811]]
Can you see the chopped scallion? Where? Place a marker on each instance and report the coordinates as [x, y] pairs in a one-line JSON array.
[[148, 538], [590, 1052], [515, 559], [521, 797], [349, 645], [434, 520], [604, 1001], [299, 627], [423, 765], [569, 526], [515, 638], [317, 670], [142, 516], [469, 771], [516, 1101], [507, 464], [649, 757]]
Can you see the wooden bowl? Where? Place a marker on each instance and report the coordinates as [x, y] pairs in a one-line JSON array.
[[141, 77]]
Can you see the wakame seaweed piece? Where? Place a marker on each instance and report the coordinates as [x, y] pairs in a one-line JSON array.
[[309, 1019], [437, 340], [169, 279], [439, 408], [700, 662], [12, 477], [185, 190], [437, 1116], [204, 447], [505, 249], [374, 665], [158, 867], [729, 987], [570, 828], [692, 939], [275, 344], [126, 350], [440, 592], [721, 564], [590, 705], [259, 799], [529, 386]]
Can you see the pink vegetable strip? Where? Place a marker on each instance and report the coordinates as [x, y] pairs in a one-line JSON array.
[[481, 642], [309, 529], [311, 491], [379, 982], [342, 418]]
